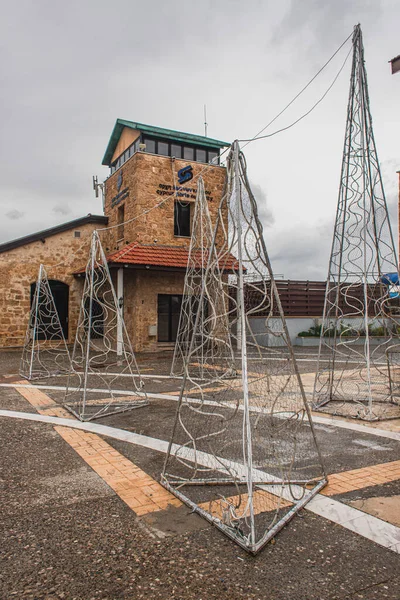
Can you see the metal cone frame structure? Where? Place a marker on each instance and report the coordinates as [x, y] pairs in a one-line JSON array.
[[212, 353], [105, 378], [359, 354], [45, 353], [243, 452]]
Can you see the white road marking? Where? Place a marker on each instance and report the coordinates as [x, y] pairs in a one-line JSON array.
[[350, 518], [374, 529], [332, 422]]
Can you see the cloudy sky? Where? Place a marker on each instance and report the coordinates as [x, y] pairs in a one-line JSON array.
[[68, 70]]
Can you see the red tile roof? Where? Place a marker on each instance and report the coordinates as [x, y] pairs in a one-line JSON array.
[[159, 256]]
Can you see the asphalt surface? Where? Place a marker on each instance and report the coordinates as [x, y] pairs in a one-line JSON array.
[[65, 534]]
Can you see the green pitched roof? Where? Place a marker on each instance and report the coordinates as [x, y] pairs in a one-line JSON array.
[[170, 134]]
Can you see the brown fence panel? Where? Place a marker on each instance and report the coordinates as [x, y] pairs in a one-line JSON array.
[[307, 298]]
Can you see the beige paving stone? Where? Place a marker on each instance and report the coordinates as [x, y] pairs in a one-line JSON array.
[[385, 508]]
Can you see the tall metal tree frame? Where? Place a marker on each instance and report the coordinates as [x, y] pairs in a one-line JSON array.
[[105, 377], [359, 352], [214, 346], [243, 452], [45, 353]]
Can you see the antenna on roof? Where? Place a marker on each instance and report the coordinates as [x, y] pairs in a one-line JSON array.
[[97, 186], [205, 121]]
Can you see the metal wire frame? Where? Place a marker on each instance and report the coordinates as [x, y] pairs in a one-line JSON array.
[[243, 451], [105, 378], [45, 352], [358, 303], [213, 348]]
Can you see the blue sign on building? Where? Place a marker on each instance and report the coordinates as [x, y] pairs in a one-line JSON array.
[[185, 174]]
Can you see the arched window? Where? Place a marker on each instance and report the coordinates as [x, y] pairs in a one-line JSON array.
[[60, 293]]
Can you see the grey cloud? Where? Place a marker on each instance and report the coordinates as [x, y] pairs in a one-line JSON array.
[[302, 252], [62, 104], [63, 88], [391, 186], [317, 24], [14, 214], [62, 209], [264, 212]]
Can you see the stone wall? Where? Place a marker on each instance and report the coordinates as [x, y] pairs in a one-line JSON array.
[[141, 289], [61, 254], [146, 180]]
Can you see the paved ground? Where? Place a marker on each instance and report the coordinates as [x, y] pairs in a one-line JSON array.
[[74, 528]]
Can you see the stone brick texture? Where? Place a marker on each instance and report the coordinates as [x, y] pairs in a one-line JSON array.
[[61, 254], [143, 182], [151, 180]]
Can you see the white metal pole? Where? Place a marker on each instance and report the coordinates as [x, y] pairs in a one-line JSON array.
[[242, 320], [38, 287], [120, 312], [93, 251], [364, 229]]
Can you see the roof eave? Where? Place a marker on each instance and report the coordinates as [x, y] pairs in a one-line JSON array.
[[171, 134], [45, 233]]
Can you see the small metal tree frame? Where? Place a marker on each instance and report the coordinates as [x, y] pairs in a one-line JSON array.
[[213, 348], [358, 373], [105, 379], [45, 353], [243, 452]]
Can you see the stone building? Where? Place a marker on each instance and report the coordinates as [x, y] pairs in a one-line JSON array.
[[148, 212]]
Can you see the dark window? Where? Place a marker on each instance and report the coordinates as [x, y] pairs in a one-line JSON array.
[[77, 234], [150, 145], [176, 150], [213, 157], [130, 151], [46, 328], [121, 219], [168, 310], [182, 219], [188, 153], [201, 155], [163, 149]]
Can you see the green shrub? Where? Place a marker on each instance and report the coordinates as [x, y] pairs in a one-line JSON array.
[[345, 331]]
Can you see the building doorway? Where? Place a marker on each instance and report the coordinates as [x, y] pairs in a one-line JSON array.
[[60, 292], [168, 311]]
